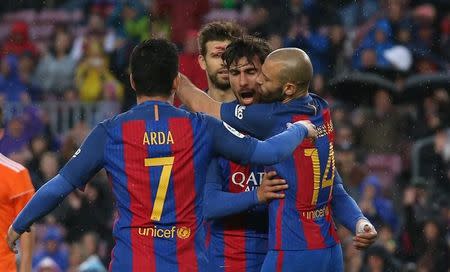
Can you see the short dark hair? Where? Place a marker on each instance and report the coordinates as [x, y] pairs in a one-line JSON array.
[[154, 66], [246, 46], [218, 31]]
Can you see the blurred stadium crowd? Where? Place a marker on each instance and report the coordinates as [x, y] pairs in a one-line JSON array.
[[383, 65]]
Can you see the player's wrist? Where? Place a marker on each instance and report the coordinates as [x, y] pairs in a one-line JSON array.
[[361, 224]]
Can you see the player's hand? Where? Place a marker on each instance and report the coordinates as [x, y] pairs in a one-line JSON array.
[[365, 234], [270, 188], [183, 81], [312, 130], [11, 239]]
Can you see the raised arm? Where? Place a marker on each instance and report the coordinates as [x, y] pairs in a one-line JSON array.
[[247, 150], [195, 99]]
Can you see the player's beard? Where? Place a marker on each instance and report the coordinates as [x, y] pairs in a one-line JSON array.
[[269, 97], [220, 84]]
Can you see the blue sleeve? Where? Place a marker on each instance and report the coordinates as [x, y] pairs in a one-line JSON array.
[[256, 120], [344, 207], [44, 201], [237, 147], [218, 203], [87, 160]]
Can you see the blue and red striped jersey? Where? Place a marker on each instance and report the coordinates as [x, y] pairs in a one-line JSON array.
[[156, 157], [239, 241], [302, 220]]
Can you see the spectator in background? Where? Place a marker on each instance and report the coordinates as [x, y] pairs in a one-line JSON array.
[[11, 85], [76, 257], [53, 249], [56, 70], [73, 213], [19, 41], [315, 42], [95, 32], [48, 168], [337, 52], [159, 24], [358, 12], [351, 171], [16, 138], [378, 209], [445, 36], [90, 243], [184, 15], [379, 39], [130, 22], [47, 265], [377, 259], [93, 78], [38, 146], [383, 128], [275, 41]]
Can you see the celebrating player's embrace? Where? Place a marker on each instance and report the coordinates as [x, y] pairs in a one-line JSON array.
[[172, 169]]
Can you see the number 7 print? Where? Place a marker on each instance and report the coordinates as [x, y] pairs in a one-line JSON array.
[[166, 163]]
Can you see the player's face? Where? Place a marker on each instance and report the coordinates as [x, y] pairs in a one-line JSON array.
[[213, 64], [243, 76], [270, 87]]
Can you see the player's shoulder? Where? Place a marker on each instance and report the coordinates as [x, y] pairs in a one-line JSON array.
[[10, 167], [319, 101]]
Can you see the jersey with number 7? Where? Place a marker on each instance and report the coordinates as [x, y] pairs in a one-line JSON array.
[[156, 158], [302, 220]]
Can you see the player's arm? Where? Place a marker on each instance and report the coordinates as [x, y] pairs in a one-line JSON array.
[[218, 203], [19, 200], [350, 215], [256, 120], [247, 150], [195, 99], [26, 246], [87, 161]]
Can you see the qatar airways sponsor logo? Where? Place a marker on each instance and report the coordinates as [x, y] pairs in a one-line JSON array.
[[249, 182]]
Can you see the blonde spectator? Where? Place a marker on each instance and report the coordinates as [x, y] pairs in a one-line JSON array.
[[93, 79]]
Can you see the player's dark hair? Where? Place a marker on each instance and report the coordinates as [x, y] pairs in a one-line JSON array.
[[217, 31], [154, 66], [246, 47]]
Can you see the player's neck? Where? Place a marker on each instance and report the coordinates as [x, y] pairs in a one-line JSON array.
[[221, 95], [295, 96], [142, 99]]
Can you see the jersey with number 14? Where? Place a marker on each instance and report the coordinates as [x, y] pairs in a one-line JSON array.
[[302, 220]]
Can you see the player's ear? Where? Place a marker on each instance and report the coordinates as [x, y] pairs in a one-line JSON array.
[[176, 83], [133, 86], [202, 62], [289, 89]]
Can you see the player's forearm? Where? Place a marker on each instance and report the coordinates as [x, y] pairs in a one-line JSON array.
[[218, 203], [345, 209], [197, 100], [26, 245], [278, 147], [44, 201]]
